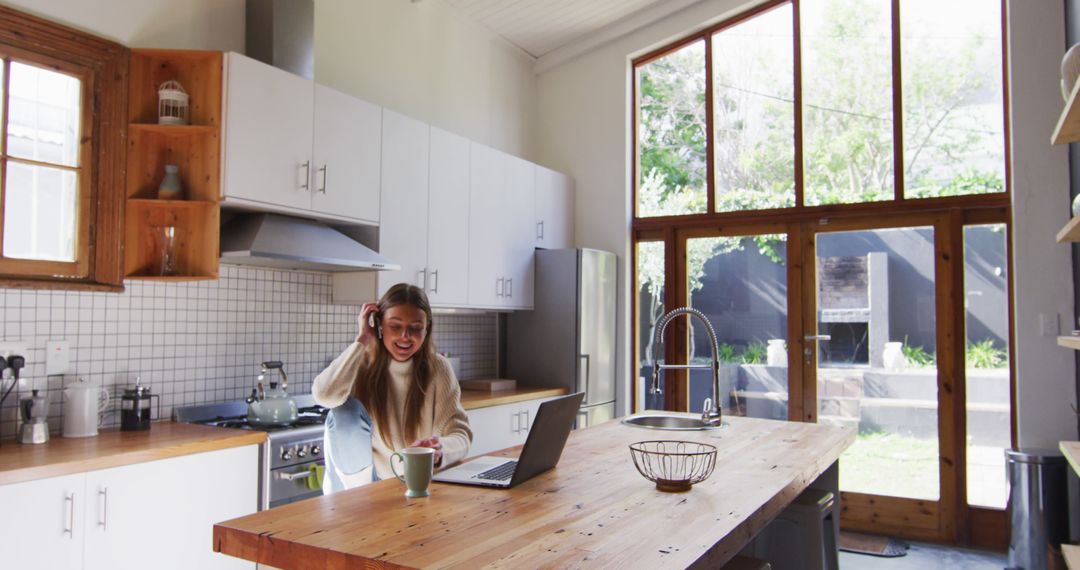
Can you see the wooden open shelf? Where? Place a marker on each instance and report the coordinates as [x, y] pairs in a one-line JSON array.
[[194, 148], [1071, 231], [1072, 342], [199, 72], [196, 153], [195, 243]]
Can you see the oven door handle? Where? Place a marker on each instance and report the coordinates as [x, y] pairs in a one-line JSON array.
[[298, 475]]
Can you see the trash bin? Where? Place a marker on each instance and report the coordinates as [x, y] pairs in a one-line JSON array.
[[1038, 505]]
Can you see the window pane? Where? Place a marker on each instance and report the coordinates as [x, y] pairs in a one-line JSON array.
[[754, 113], [39, 213], [987, 333], [671, 133], [740, 283], [44, 113], [877, 371], [847, 101], [650, 296], [953, 104]]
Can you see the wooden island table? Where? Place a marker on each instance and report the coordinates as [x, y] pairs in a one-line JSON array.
[[593, 510]]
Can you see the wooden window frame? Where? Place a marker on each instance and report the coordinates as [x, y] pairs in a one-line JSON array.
[[102, 67], [951, 518]]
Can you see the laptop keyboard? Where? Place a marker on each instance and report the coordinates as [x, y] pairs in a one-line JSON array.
[[500, 472]]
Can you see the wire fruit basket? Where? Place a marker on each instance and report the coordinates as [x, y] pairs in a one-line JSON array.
[[673, 465]]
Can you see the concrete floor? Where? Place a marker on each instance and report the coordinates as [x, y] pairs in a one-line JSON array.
[[924, 556]]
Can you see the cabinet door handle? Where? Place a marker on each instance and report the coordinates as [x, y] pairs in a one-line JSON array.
[[515, 422], [540, 230], [421, 278], [307, 175], [323, 171], [435, 280], [510, 287], [70, 528], [104, 522], [499, 287], [527, 425]]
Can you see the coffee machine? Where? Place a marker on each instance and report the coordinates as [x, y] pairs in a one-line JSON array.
[[35, 413]]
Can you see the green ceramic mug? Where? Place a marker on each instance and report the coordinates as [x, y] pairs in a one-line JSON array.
[[419, 464]]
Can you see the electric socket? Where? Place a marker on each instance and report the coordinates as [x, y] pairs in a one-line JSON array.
[[14, 347]]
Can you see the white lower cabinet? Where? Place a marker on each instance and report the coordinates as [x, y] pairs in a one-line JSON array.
[[499, 427], [156, 514]]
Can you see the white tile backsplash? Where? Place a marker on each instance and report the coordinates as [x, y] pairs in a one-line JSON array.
[[201, 342]]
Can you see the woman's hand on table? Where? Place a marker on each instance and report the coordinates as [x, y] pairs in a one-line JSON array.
[[433, 443]]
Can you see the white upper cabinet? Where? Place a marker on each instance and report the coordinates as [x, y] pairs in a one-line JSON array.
[[487, 245], [403, 228], [518, 231], [448, 220], [346, 156], [268, 135], [554, 209], [295, 147]]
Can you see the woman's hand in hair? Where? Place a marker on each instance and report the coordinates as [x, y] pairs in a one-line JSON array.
[[433, 443], [368, 333]]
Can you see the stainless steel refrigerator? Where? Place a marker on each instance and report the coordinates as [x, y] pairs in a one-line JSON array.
[[568, 339]]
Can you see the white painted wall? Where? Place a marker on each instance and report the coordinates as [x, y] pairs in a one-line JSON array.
[[583, 130], [1042, 268], [426, 61], [183, 24]]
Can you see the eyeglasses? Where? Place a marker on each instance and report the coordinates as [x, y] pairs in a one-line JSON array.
[[397, 330]]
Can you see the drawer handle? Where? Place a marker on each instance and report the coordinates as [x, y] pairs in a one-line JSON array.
[[70, 528], [104, 522]]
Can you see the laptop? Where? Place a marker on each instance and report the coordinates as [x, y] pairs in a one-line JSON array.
[[542, 449]]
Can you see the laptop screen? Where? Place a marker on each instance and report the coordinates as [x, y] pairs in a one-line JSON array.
[[547, 438]]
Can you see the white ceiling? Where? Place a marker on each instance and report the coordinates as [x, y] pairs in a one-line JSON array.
[[541, 26]]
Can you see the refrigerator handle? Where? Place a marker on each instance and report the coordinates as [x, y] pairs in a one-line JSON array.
[[585, 383]]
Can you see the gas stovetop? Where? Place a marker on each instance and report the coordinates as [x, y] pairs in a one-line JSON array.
[[234, 415]]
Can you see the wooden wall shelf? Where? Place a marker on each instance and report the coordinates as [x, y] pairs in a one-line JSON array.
[[1068, 125], [1072, 342], [195, 149], [1071, 231]]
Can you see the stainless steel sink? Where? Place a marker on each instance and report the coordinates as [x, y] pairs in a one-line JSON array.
[[680, 423]]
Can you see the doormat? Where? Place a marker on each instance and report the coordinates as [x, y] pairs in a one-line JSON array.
[[873, 545]]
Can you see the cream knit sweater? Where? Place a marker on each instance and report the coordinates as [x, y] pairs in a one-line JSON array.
[[441, 415]]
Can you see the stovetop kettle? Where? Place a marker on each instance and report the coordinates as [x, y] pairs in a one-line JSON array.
[[273, 406]]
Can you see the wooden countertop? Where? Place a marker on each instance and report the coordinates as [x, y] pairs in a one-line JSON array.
[[1071, 451], [594, 509], [472, 399], [115, 448]]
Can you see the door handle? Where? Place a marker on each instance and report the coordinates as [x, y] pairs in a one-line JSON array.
[[540, 230], [585, 384], [421, 278], [510, 287], [305, 185], [435, 280], [70, 528], [527, 425], [817, 337], [104, 495], [515, 422], [499, 287], [323, 188], [298, 475]]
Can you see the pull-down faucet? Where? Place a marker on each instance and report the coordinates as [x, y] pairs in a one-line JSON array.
[[710, 415]]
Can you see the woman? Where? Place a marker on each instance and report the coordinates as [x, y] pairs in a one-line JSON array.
[[392, 373]]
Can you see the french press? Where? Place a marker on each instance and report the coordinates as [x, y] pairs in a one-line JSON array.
[[135, 407]]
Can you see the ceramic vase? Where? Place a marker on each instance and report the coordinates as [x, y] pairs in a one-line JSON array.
[[170, 188]]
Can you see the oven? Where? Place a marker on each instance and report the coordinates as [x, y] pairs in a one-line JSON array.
[[290, 455]]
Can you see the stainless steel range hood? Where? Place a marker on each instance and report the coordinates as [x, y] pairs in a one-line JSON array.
[[285, 242]]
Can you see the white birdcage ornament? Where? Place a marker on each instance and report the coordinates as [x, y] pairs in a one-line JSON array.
[[172, 104]]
